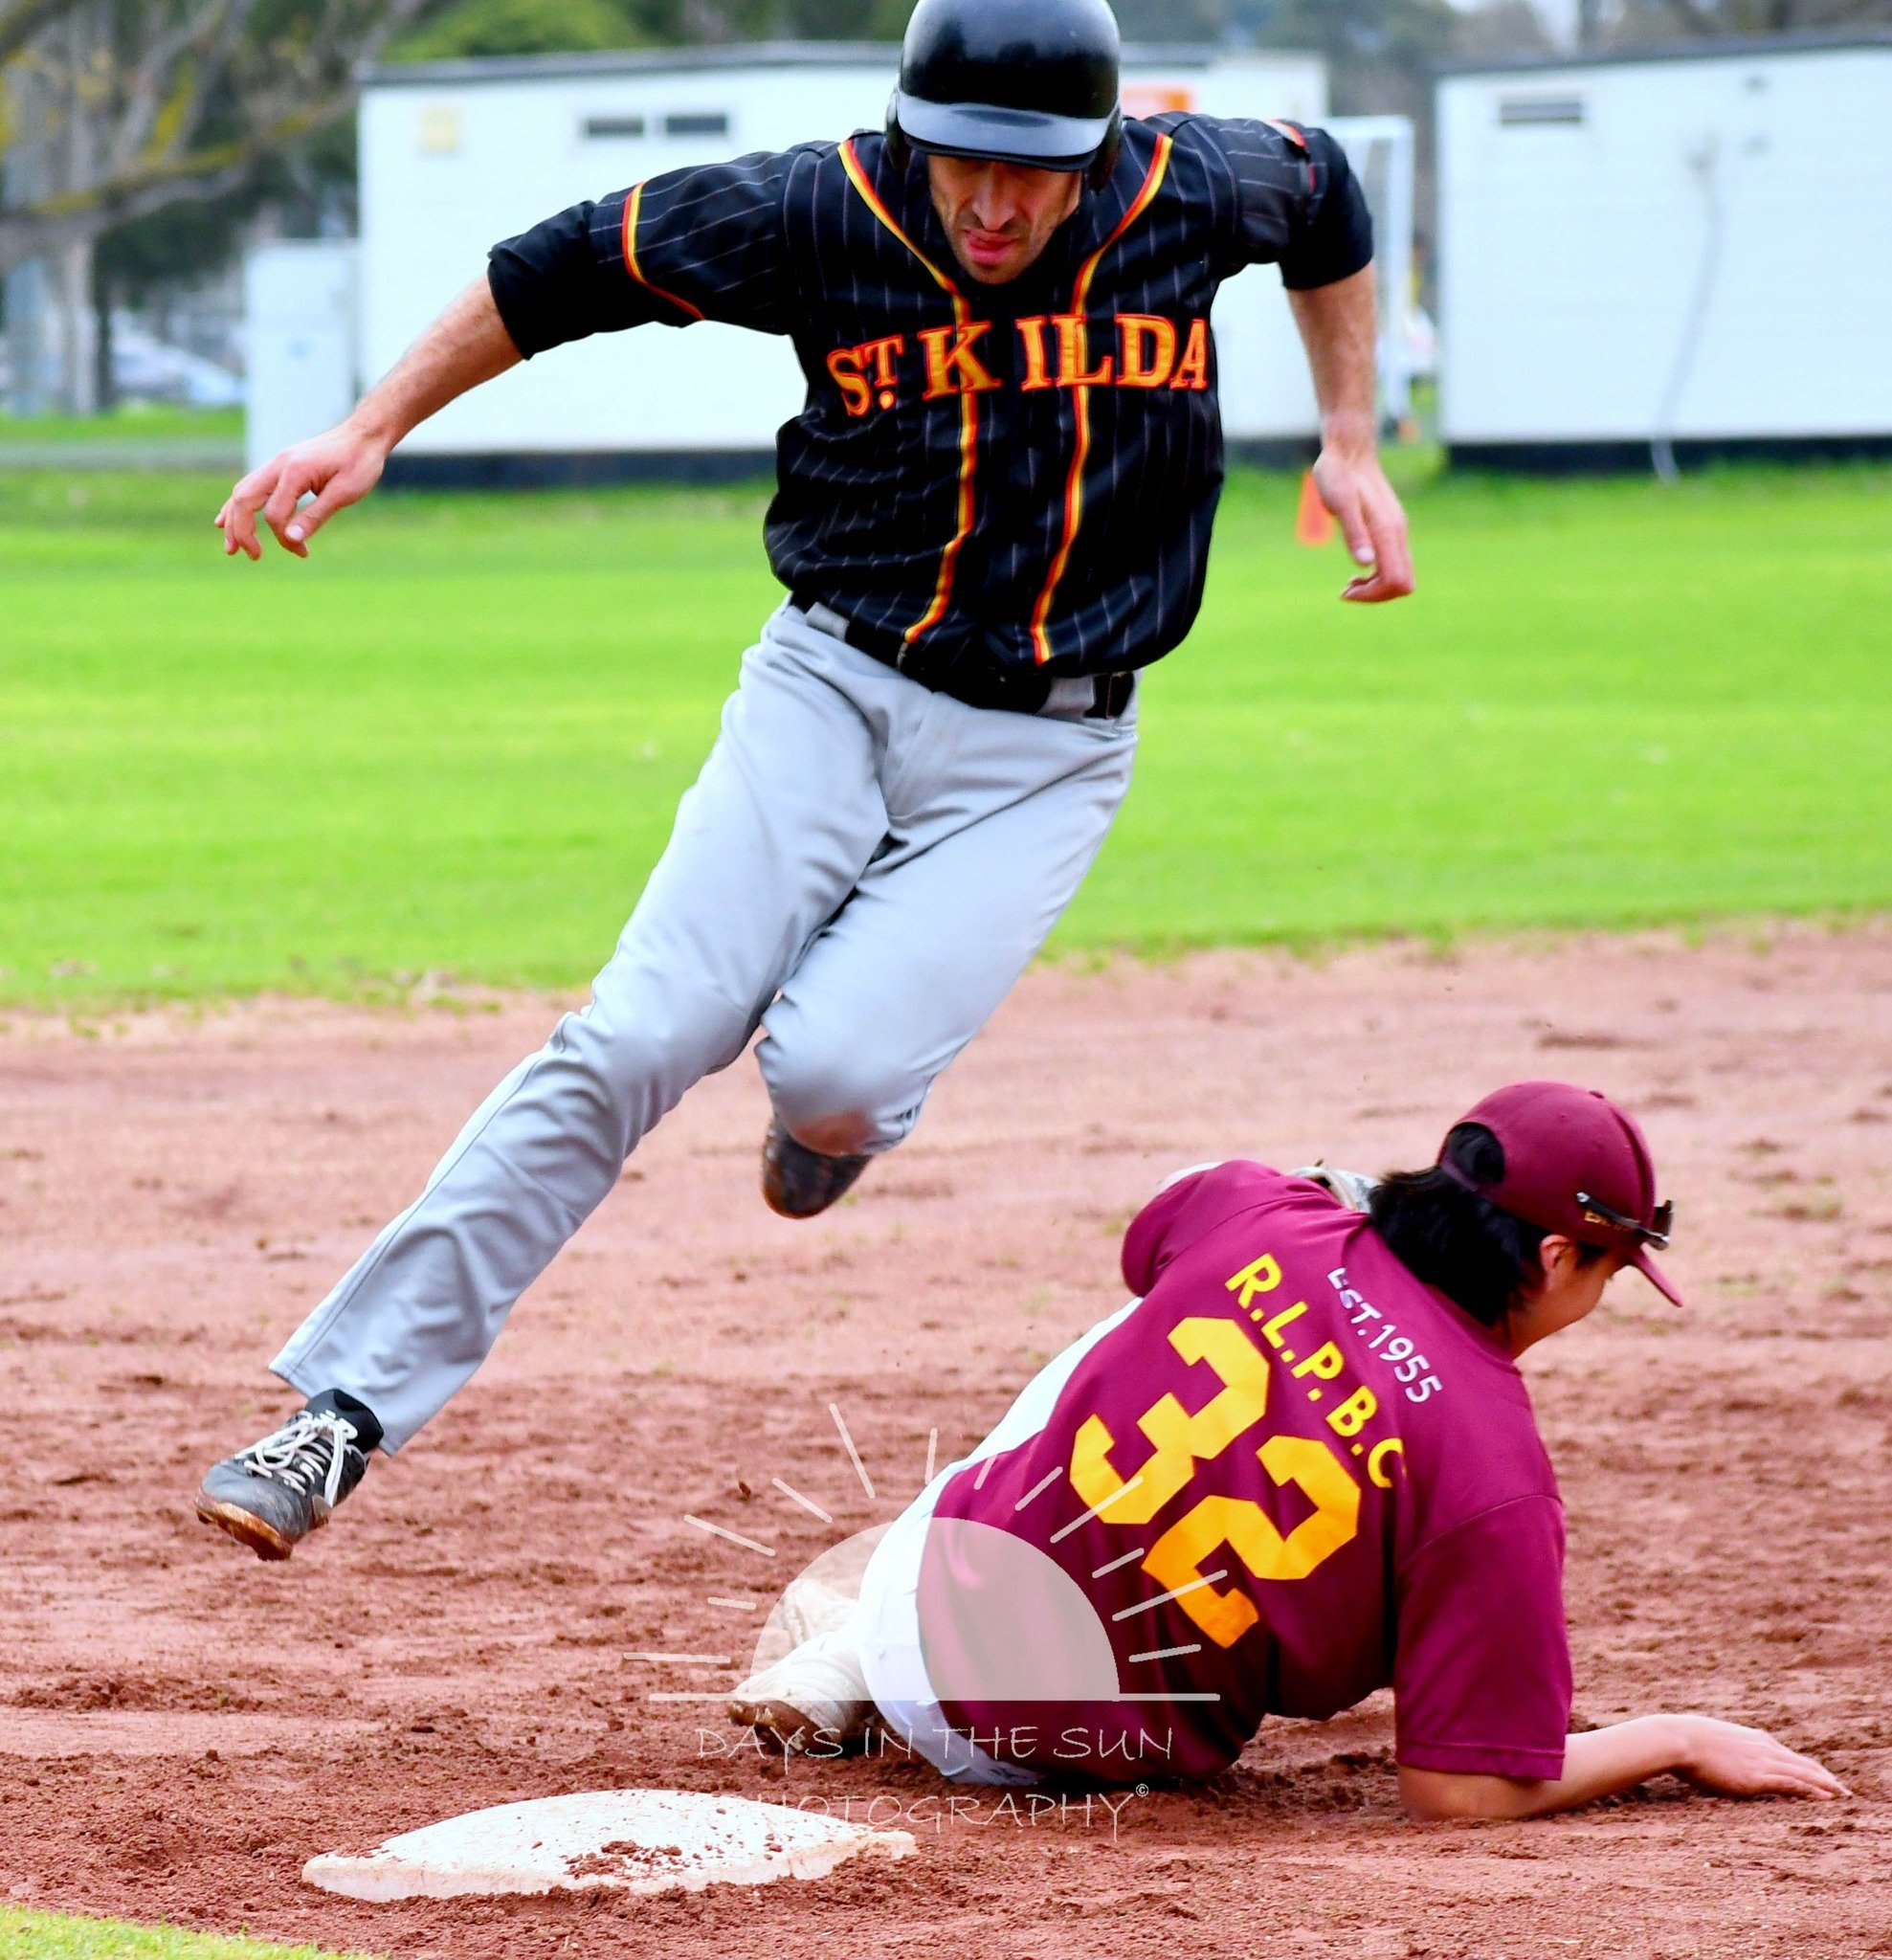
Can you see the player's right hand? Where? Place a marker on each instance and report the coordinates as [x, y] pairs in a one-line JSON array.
[[1733, 1761], [338, 469]]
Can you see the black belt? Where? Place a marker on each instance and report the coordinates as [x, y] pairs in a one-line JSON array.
[[1020, 690]]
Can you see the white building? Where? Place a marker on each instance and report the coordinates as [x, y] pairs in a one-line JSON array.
[[1684, 251], [300, 309], [455, 155]]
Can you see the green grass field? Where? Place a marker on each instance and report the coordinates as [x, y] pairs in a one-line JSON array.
[[129, 422], [454, 741], [53, 1936]]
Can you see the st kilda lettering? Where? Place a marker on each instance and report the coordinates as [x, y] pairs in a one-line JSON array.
[[1144, 350]]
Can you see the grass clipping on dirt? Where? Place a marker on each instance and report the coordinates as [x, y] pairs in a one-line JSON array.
[[57, 1936], [455, 740]]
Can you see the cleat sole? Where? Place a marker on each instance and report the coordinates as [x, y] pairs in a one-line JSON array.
[[245, 1527]]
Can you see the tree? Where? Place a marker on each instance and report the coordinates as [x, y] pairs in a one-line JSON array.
[[551, 26], [1628, 22], [847, 20], [119, 108], [475, 28]]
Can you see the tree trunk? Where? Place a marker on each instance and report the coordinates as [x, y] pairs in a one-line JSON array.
[[26, 339], [104, 388], [25, 168], [72, 287], [82, 30]]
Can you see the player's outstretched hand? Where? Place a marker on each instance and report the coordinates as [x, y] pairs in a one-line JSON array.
[[1733, 1761], [338, 469], [1372, 522]]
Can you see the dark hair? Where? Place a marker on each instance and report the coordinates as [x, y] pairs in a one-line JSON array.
[[1453, 1239]]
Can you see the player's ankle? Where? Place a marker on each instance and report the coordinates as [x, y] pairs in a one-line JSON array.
[[360, 1417]]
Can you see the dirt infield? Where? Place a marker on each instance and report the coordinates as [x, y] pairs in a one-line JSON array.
[[181, 1726]]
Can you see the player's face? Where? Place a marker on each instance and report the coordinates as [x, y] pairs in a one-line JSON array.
[[1568, 1290], [999, 216]]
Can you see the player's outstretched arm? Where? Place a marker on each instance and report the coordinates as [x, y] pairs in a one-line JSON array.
[[466, 346], [1718, 1756], [1339, 326]]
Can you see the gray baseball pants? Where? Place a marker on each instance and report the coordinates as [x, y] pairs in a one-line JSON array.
[[862, 870]]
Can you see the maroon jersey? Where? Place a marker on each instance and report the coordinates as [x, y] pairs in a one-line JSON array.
[[1291, 1475]]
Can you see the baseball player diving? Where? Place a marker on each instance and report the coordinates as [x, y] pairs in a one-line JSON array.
[[1301, 1466], [992, 512]]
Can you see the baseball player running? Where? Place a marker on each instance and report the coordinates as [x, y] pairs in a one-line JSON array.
[[1300, 1468], [992, 513]]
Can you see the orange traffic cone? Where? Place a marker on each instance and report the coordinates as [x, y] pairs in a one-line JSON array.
[[1313, 521]]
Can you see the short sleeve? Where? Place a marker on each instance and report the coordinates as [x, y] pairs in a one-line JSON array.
[[1182, 1212], [1298, 202], [1482, 1671], [698, 244]]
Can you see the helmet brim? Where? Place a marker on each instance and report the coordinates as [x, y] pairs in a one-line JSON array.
[[985, 132]]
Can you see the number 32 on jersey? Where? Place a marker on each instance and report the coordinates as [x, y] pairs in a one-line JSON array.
[[1179, 1441]]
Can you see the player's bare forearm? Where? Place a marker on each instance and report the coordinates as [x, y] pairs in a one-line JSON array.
[[466, 346], [1718, 1756], [1340, 328]]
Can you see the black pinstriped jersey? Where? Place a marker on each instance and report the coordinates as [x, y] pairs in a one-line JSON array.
[[1024, 473]]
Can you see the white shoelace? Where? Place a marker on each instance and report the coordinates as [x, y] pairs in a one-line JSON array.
[[293, 1454]]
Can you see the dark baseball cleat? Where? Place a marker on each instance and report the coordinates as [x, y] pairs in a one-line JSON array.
[[274, 1494], [798, 1182]]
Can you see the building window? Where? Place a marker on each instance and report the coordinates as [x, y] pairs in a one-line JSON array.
[[440, 133], [714, 123], [1540, 112], [607, 128]]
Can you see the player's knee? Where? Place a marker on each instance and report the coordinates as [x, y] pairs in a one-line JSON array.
[[838, 1099]]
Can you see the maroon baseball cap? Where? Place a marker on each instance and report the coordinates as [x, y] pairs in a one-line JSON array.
[[1577, 1164]]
